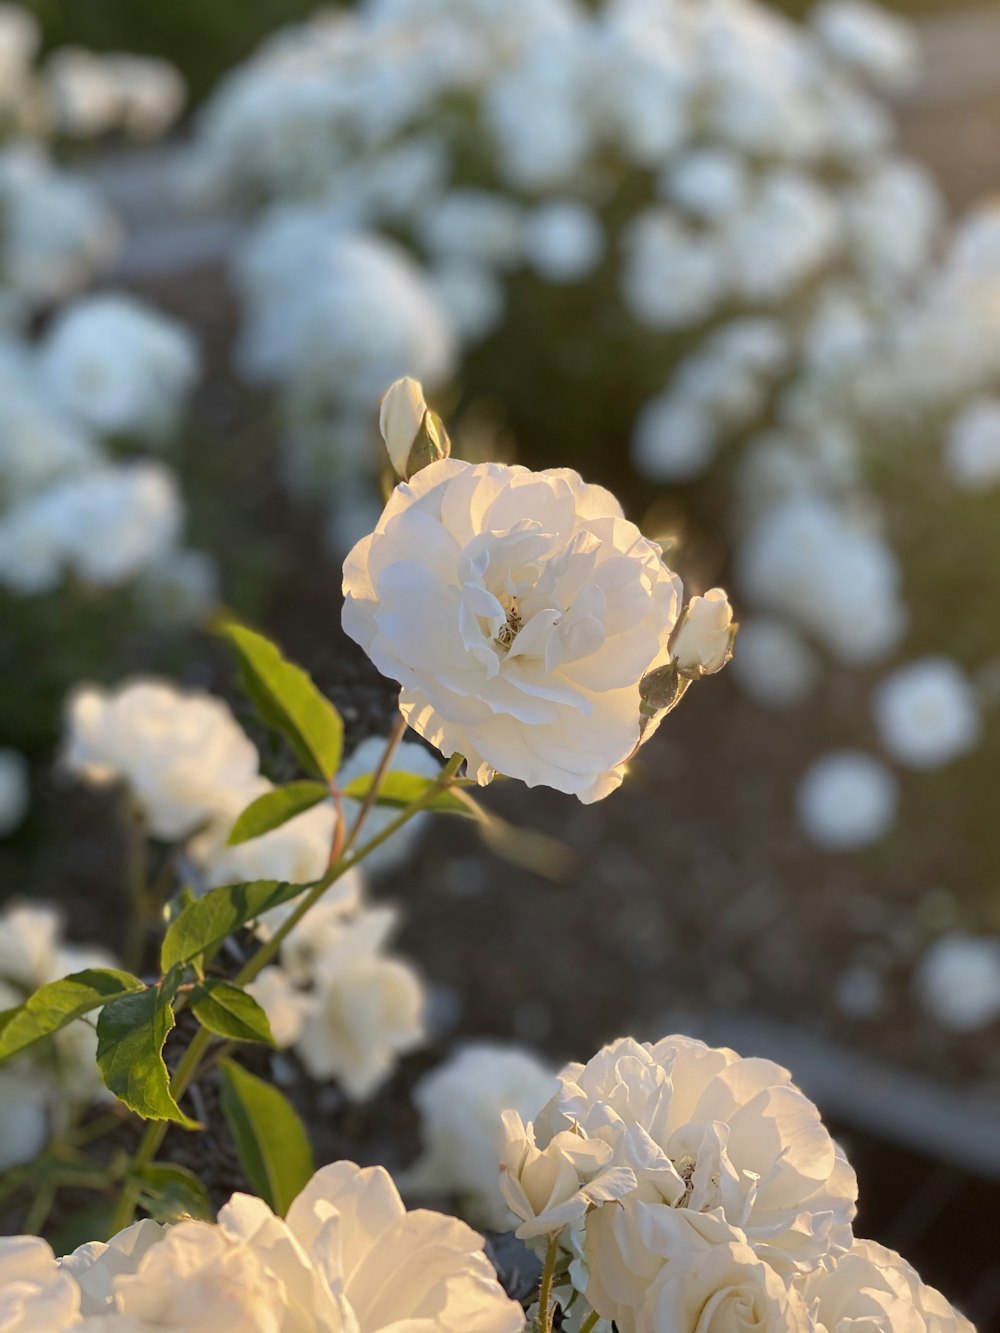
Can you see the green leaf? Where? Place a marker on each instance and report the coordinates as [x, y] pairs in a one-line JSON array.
[[275, 808], [288, 700], [60, 1002], [270, 1139], [229, 1011], [170, 1192], [209, 920], [130, 1035], [400, 790]]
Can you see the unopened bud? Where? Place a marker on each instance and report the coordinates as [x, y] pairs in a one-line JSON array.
[[413, 434], [703, 641]]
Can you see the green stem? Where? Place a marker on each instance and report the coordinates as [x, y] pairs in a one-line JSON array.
[[155, 1130], [545, 1310], [589, 1322], [39, 1211], [391, 746]]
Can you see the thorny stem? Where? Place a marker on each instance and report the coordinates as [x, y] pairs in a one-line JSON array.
[[156, 1130], [545, 1311]]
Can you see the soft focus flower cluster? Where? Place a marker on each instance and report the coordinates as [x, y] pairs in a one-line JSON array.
[[80, 94], [348, 1256], [690, 1189], [346, 1007], [107, 368], [43, 1089]]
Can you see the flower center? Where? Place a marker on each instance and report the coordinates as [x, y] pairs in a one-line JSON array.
[[508, 631]]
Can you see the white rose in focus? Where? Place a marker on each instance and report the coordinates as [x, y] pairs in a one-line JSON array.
[[519, 611], [34, 1294], [704, 642], [551, 1186], [873, 1290], [412, 433], [713, 1282]]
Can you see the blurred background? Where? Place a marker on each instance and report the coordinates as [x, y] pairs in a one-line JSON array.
[[754, 287]]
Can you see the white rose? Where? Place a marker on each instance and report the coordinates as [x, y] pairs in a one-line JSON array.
[[713, 1282], [552, 1186], [704, 642], [847, 799], [460, 1105], [95, 1265], [34, 1294], [873, 1290], [412, 433], [926, 713], [397, 1269], [179, 752], [704, 1129], [958, 981], [118, 366], [519, 611]]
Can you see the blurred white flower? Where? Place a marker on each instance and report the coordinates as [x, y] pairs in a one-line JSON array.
[[672, 276], [774, 665], [673, 439], [958, 981], [43, 1088], [972, 447], [869, 39], [847, 799], [807, 559], [519, 611], [57, 234], [358, 1009], [926, 713], [34, 1293], [365, 1010], [563, 240], [118, 366], [15, 791], [708, 183], [178, 751], [474, 225], [460, 1104], [298, 851], [873, 1289], [409, 757]]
